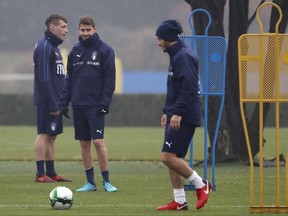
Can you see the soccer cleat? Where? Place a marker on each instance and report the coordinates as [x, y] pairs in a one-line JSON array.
[[87, 187], [59, 178], [203, 194], [43, 179], [109, 187], [173, 206]]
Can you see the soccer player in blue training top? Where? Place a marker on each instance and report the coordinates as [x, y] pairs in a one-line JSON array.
[[48, 86], [89, 85], [181, 115]]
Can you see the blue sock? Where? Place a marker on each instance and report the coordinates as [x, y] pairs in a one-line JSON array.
[[40, 167], [90, 176], [50, 170], [105, 175]]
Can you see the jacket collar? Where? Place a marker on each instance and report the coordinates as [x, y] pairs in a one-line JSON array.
[[175, 48], [94, 40], [55, 41]]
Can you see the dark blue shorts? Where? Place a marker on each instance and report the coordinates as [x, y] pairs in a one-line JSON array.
[[178, 141], [46, 123], [88, 123]]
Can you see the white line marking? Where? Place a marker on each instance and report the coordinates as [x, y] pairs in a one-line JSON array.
[[109, 205]]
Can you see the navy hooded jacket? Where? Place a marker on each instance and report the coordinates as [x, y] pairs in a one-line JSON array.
[[49, 72], [182, 85], [90, 79]]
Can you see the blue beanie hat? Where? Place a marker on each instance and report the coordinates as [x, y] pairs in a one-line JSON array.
[[169, 30]]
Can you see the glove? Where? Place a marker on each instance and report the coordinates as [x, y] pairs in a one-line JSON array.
[[104, 110], [64, 112]]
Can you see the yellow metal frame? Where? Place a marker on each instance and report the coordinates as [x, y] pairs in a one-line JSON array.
[[265, 93]]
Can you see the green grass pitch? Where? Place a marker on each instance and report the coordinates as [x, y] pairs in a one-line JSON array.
[[142, 180]]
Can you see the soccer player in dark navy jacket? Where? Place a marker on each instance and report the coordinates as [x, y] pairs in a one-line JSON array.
[[181, 115], [49, 77], [89, 85]]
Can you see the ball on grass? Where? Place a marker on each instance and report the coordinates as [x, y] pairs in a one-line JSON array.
[[61, 198]]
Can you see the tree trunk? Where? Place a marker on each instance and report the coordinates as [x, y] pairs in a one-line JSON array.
[[238, 25], [231, 141], [231, 123]]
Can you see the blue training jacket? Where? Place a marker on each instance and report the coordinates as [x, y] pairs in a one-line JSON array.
[[49, 72], [90, 79], [182, 85]]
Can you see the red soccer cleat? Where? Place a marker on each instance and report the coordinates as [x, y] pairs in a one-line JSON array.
[[173, 206], [203, 194], [59, 178], [43, 179]]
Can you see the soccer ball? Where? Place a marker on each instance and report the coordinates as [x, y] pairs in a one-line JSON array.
[[61, 198]]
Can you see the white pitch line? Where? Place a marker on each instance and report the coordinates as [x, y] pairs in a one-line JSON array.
[[109, 206]]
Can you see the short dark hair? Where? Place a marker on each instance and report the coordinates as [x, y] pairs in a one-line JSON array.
[[87, 20], [54, 18]]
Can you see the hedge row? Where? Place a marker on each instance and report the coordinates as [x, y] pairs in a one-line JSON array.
[[126, 110]]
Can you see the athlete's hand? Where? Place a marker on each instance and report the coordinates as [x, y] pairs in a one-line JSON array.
[[175, 122], [65, 113], [163, 121], [56, 113]]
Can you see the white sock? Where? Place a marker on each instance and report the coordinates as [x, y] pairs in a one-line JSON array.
[[196, 180], [179, 195]]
